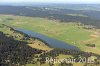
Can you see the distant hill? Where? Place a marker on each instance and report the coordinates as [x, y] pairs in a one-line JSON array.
[[90, 17]]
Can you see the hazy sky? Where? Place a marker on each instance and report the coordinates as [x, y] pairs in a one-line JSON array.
[[53, 1]]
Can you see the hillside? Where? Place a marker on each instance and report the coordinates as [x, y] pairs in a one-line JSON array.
[[91, 16], [32, 42], [14, 52]]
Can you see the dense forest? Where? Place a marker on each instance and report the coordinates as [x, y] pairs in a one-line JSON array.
[[14, 52]]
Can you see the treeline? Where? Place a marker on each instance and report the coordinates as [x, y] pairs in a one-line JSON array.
[[77, 55]]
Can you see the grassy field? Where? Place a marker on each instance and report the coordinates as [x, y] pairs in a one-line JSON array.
[[70, 33]]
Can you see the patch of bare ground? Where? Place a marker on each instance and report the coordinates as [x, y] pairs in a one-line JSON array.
[[39, 45]]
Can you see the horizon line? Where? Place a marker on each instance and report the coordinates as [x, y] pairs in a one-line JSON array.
[[44, 3]]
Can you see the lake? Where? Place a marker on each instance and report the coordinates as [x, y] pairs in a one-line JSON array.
[[50, 41]]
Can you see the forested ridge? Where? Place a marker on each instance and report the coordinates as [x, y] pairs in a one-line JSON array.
[[13, 52], [89, 18]]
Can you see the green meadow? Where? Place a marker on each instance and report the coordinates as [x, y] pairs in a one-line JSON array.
[[69, 32]]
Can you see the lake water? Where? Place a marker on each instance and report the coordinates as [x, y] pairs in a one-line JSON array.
[[52, 42]]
